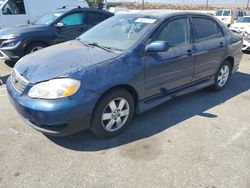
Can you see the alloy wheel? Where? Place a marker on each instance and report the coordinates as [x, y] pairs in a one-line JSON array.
[[223, 75], [115, 114]]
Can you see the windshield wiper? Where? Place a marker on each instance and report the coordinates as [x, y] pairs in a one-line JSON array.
[[109, 49], [79, 40]]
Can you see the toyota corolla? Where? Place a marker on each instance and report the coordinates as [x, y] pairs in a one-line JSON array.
[[128, 64]]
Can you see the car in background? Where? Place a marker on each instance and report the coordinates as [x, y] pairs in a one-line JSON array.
[[55, 27], [241, 25], [17, 12], [127, 64], [229, 16], [246, 41]]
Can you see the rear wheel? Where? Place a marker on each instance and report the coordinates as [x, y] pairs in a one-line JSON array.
[[223, 75], [34, 47], [113, 113]]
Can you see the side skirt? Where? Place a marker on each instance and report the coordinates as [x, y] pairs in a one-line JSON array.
[[147, 104]]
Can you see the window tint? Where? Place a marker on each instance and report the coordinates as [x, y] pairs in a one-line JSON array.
[[227, 13], [94, 18], [219, 13], [205, 28], [14, 7], [175, 32], [72, 19]]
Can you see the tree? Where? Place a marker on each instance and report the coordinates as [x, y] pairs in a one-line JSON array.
[[94, 2]]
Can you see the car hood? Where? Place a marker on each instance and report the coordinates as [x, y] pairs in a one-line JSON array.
[[21, 30], [60, 60]]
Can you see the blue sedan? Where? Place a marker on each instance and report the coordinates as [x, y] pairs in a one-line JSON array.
[[127, 64]]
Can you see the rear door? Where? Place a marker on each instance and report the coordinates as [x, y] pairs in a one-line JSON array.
[[227, 17], [210, 45], [73, 26], [165, 71], [93, 18]]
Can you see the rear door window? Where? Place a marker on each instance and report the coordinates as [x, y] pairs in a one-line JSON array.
[[93, 18], [205, 29], [227, 13]]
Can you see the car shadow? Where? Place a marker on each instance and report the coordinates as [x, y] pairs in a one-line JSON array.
[[3, 80], [160, 118]]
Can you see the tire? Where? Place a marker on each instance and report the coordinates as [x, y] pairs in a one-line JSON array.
[[34, 47], [118, 106], [222, 76], [10, 63]]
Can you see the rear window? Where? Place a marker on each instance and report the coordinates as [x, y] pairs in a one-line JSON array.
[[205, 29], [227, 13], [219, 13]]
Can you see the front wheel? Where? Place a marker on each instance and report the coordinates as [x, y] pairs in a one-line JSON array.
[[222, 76], [34, 47], [113, 113]]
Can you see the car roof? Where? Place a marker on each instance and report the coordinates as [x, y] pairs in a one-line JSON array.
[[162, 13], [69, 9]]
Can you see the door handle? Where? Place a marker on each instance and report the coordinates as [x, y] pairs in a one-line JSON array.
[[221, 44], [189, 52]]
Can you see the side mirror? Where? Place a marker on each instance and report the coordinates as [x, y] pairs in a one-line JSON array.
[[157, 46], [59, 25]]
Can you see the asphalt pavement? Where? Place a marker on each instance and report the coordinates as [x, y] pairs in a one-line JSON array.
[[197, 140]]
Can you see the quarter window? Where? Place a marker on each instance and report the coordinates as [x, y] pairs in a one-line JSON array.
[[205, 29], [13, 7], [176, 32], [73, 19]]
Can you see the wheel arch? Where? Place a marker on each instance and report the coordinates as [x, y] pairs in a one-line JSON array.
[[230, 59], [126, 87], [34, 42]]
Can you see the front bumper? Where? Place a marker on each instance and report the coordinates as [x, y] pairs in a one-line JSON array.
[[12, 53], [53, 117], [9, 55]]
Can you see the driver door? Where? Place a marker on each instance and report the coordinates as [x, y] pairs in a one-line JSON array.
[[166, 71], [72, 26]]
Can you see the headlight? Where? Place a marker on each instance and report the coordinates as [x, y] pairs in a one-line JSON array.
[[10, 44], [55, 89]]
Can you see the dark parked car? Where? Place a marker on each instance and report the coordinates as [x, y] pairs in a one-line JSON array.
[[125, 65], [52, 28]]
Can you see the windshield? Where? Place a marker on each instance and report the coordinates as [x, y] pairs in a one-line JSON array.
[[244, 20], [47, 19], [118, 32]]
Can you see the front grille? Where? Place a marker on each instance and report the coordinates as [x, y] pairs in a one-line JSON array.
[[18, 81]]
